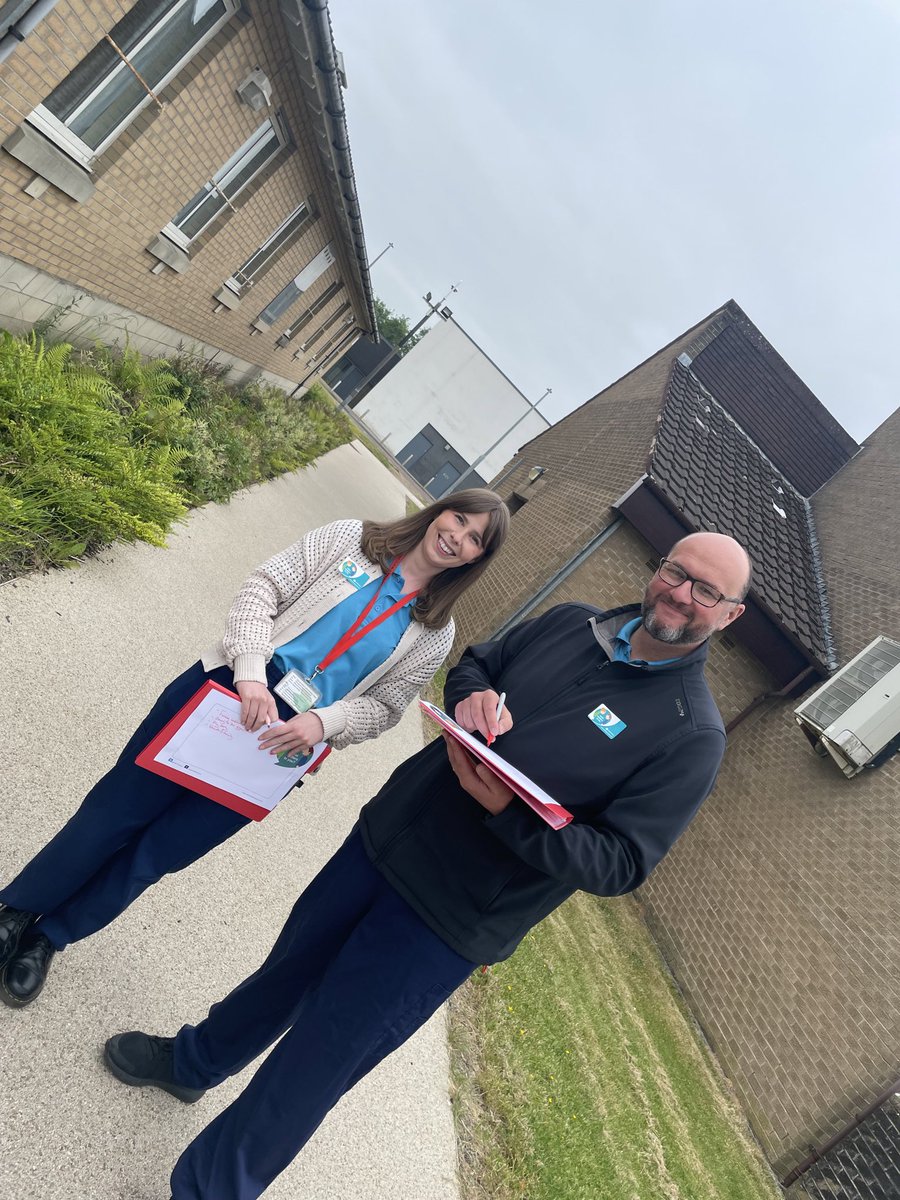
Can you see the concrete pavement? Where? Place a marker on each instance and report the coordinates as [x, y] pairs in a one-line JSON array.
[[83, 654]]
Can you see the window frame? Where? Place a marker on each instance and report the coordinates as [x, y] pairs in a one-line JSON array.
[[229, 169], [329, 257], [51, 126], [304, 214]]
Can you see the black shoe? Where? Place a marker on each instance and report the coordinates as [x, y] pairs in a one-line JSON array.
[[13, 923], [146, 1061], [26, 973]]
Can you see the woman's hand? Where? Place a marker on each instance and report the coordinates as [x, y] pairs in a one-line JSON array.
[[478, 780], [258, 705], [299, 734], [479, 712]]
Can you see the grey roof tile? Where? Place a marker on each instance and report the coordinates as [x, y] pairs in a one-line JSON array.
[[720, 479]]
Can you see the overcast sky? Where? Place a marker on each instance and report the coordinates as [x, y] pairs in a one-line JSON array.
[[602, 175]]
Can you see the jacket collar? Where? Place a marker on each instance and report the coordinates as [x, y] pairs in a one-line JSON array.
[[605, 625]]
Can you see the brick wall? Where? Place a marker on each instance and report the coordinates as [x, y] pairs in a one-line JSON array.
[[154, 167], [857, 519], [779, 909]]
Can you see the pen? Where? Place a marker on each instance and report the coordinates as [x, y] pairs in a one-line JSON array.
[[500, 704]]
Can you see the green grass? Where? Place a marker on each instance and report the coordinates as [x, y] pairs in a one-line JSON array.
[[578, 1075], [434, 693], [371, 445]]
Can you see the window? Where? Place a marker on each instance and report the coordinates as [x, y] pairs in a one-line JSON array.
[[217, 193], [299, 284], [326, 325], [105, 92], [340, 337], [329, 294], [246, 274]]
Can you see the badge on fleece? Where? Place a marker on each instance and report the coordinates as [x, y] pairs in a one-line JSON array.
[[607, 721], [354, 573]]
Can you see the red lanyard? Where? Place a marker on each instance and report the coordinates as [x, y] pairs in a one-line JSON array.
[[358, 630]]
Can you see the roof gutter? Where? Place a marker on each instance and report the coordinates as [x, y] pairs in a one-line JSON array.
[[330, 122]]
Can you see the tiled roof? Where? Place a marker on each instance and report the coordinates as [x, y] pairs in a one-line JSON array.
[[719, 478]]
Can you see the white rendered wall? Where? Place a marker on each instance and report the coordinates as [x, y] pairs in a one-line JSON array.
[[448, 382]]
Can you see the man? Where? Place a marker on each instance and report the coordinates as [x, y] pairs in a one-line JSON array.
[[447, 868]]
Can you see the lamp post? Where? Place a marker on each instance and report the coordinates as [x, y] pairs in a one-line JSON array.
[[389, 246], [432, 309], [453, 486]]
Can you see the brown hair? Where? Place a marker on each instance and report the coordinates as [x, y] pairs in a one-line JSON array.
[[382, 542]]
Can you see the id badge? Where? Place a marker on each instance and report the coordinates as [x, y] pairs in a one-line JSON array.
[[298, 691]]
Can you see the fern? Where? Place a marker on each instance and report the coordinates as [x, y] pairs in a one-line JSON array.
[[101, 445]]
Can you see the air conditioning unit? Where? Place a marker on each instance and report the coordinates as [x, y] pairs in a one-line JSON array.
[[855, 716]]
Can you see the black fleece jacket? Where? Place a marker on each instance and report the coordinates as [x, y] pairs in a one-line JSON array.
[[482, 881]]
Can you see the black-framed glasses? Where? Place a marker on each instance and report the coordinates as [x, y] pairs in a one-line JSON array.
[[702, 592]]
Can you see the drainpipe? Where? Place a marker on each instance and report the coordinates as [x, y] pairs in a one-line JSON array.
[[813, 1158], [19, 30], [782, 694]]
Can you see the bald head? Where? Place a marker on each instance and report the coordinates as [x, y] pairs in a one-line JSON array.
[[697, 593], [731, 560]]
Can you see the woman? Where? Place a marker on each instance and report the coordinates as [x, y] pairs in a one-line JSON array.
[[348, 623]]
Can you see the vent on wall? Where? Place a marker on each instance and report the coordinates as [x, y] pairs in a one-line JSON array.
[[855, 716]]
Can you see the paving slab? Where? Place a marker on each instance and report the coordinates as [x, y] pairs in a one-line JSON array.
[[83, 653]]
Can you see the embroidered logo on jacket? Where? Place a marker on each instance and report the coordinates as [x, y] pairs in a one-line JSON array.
[[679, 706], [607, 721]]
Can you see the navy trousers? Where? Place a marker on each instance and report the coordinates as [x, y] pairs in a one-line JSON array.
[[132, 828], [354, 973]]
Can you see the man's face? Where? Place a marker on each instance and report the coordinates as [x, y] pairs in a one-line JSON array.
[[672, 616]]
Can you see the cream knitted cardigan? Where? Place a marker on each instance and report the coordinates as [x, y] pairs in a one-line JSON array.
[[288, 594]]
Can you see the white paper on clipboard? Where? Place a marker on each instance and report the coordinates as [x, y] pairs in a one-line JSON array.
[[213, 747]]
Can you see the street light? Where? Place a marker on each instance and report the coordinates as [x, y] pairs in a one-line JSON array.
[[500, 439], [432, 309]]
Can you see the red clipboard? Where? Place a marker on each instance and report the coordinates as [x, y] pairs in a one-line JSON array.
[[535, 797], [147, 760]]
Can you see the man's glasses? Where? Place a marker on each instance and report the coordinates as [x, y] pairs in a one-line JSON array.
[[703, 593]]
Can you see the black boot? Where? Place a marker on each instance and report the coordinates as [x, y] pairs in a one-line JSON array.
[[24, 977], [13, 923], [143, 1060]]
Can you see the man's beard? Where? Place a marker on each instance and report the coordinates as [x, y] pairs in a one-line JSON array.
[[689, 634]]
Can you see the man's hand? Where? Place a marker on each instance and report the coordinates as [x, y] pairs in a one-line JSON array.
[[258, 705], [298, 735], [479, 712], [478, 780]]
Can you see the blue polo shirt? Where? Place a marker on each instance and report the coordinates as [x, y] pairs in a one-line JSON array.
[[622, 648], [311, 646]]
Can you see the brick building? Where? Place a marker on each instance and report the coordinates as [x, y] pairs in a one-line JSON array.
[[178, 172], [779, 909]]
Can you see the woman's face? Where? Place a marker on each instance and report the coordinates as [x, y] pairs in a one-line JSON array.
[[455, 538]]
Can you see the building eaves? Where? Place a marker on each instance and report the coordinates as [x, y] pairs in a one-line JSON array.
[[719, 478], [311, 41]]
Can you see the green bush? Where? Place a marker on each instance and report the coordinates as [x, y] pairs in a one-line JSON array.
[[105, 446]]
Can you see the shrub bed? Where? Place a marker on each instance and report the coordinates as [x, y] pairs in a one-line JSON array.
[[100, 446]]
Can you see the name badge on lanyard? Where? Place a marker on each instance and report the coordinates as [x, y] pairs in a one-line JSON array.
[[299, 690]]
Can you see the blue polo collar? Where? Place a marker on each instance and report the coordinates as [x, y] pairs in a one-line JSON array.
[[622, 648]]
